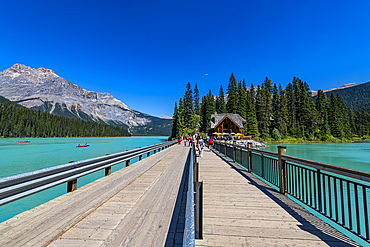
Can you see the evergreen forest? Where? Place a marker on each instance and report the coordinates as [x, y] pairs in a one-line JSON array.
[[18, 121], [272, 112]]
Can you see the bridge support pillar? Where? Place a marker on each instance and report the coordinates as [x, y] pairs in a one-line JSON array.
[[72, 185], [282, 170], [108, 171]]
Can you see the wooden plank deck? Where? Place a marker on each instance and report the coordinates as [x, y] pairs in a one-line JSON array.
[[241, 210], [131, 207]]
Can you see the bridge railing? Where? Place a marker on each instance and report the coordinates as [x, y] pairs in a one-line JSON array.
[[194, 204], [18, 186], [340, 194]]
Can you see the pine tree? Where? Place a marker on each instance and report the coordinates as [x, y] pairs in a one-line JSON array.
[[336, 127], [208, 107], [344, 118], [232, 98], [262, 117], [188, 108], [175, 130], [322, 106], [181, 118], [292, 118], [252, 124], [275, 123], [196, 100], [242, 101], [220, 101]]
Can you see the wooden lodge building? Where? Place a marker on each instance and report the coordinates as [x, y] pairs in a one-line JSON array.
[[227, 123]]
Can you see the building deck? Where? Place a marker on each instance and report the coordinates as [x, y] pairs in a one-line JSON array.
[[131, 207], [241, 210]]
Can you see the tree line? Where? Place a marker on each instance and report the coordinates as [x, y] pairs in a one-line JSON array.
[[18, 121], [271, 112]]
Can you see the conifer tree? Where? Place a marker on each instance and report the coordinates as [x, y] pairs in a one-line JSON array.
[[242, 101], [275, 123], [292, 118], [188, 114], [175, 130], [232, 98], [181, 117], [336, 127], [252, 124], [220, 101], [208, 107], [283, 114], [322, 106], [344, 118], [262, 117], [196, 100]]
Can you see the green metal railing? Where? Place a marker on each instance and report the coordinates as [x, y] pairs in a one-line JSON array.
[[340, 194]]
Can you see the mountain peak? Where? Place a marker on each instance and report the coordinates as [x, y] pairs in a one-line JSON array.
[[45, 70], [19, 69]]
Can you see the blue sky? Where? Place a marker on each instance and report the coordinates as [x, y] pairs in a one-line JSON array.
[[145, 52]]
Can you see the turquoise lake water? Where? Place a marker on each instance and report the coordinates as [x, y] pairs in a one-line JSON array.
[[351, 155], [16, 158]]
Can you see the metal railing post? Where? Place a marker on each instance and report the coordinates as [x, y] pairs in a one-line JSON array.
[[319, 190], [196, 172], [127, 163], [282, 169], [233, 152], [198, 209], [249, 157]]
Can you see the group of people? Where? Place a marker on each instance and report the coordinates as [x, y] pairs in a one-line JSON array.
[[199, 142]]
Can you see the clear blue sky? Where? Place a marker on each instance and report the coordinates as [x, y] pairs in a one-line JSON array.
[[144, 52]]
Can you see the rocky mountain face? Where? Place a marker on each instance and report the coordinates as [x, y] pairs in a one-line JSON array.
[[42, 89]]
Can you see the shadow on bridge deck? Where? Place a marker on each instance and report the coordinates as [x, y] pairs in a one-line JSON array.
[[263, 217]]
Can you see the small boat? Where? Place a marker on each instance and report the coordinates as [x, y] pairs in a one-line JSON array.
[[82, 146], [23, 141]]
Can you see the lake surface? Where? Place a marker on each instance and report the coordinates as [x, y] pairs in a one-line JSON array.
[[16, 158], [351, 155]]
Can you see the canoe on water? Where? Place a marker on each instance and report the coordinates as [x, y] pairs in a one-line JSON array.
[[82, 146]]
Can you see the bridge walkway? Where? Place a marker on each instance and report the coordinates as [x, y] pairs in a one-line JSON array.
[[131, 207], [241, 210]]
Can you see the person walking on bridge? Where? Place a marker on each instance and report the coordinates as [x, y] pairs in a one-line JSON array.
[[210, 143], [201, 146]]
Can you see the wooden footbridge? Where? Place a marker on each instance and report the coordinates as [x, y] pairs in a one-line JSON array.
[[152, 203]]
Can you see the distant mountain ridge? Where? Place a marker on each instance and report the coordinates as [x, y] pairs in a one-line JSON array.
[[314, 93], [356, 97], [42, 89]]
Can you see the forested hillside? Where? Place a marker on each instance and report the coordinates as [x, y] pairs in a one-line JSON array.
[[274, 113], [17, 121], [357, 98]]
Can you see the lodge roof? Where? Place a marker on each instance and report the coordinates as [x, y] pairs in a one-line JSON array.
[[236, 118]]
